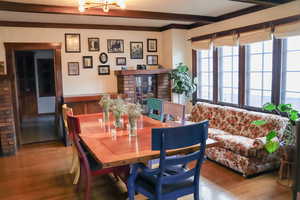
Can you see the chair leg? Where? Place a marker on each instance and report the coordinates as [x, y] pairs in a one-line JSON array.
[[74, 159], [77, 174], [196, 193], [87, 194]]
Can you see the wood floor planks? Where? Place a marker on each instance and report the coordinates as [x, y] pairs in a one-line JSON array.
[[40, 172]]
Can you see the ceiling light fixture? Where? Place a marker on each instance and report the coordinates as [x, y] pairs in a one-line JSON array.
[[104, 4]]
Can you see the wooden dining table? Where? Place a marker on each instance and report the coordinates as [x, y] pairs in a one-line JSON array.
[[113, 147]]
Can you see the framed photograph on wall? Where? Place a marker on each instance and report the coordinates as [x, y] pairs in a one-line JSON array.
[[120, 60], [103, 70], [72, 43], [73, 68], [136, 50], [94, 44], [152, 45], [2, 70], [115, 46], [103, 58], [152, 60], [87, 61]]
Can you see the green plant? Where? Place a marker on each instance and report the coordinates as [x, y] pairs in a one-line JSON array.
[[183, 82], [272, 141]]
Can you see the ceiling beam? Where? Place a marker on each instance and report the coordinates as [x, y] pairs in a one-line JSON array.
[[39, 8], [77, 26], [241, 12], [264, 2]]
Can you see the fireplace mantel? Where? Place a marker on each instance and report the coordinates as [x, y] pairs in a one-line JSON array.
[[141, 72]]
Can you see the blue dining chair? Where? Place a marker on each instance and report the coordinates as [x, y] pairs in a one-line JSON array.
[[155, 108], [172, 179]]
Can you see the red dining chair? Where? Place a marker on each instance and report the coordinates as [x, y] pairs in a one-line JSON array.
[[89, 167]]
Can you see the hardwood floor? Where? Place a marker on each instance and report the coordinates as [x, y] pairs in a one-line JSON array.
[[40, 172]]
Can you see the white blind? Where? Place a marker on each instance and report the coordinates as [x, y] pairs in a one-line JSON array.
[[230, 40], [202, 44], [287, 30], [255, 36]]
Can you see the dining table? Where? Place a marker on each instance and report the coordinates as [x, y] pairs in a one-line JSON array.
[[115, 147]]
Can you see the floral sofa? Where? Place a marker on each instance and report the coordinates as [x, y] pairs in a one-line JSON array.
[[241, 143]]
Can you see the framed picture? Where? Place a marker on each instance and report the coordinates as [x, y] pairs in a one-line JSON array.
[[136, 50], [2, 70], [103, 70], [73, 68], [121, 61], [152, 60], [72, 43], [94, 44], [115, 46], [87, 61], [152, 45], [103, 58]]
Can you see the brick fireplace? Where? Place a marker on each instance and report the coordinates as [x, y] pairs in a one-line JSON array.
[[141, 84], [8, 144]]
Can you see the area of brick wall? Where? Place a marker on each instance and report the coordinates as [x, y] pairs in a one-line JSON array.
[[7, 127], [127, 85]]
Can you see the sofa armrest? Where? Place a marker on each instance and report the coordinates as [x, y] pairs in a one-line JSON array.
[[259, 142]]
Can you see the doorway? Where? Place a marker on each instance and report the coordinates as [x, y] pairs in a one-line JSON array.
[[36, 95], [35, 73]]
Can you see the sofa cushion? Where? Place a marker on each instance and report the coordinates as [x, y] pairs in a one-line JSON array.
[[238, 144]]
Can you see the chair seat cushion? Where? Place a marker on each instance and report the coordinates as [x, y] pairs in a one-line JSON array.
[[236, 143], [148, 184]]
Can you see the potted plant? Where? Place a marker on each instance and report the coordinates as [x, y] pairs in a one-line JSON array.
[[105, 103], [118, 108], [286, 143], [183, 84]]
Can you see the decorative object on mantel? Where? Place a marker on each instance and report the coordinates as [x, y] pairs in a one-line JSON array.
[[136, 50], [87, 62], [284, 142], [183, 84], [118, 107], [104, 4], [134, 111], [141, 67], [124, 68], [152, 59], [115, 46], [103, 70], [120, 60], [2, 70], [72, 43], [103, 58], [73, 68], [152, 45], [105, 103], [94, 44]]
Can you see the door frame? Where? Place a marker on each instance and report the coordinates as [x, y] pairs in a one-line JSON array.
[[10, 48]]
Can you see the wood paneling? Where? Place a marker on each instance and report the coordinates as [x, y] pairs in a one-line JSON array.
[[88, 104], [38, 8]]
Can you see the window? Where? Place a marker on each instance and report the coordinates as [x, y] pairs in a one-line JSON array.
[[229, 74], [290, 92], [259, 73], [205, 74]]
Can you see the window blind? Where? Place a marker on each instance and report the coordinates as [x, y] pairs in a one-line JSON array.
[[255, 36], [230, 40], [287, 30], [201, 45]]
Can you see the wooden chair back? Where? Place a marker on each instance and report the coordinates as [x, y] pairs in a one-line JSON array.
[[173, 111], [65, 111]]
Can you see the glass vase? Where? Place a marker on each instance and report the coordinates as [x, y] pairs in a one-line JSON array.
[[132, 126], [106, 116], [118, 123]]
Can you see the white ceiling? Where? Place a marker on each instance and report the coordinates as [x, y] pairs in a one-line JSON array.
[[195, 7]]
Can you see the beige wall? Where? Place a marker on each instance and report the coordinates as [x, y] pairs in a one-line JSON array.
[[89, 82]]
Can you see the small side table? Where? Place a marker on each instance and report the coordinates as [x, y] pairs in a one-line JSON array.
[[285, 173]]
